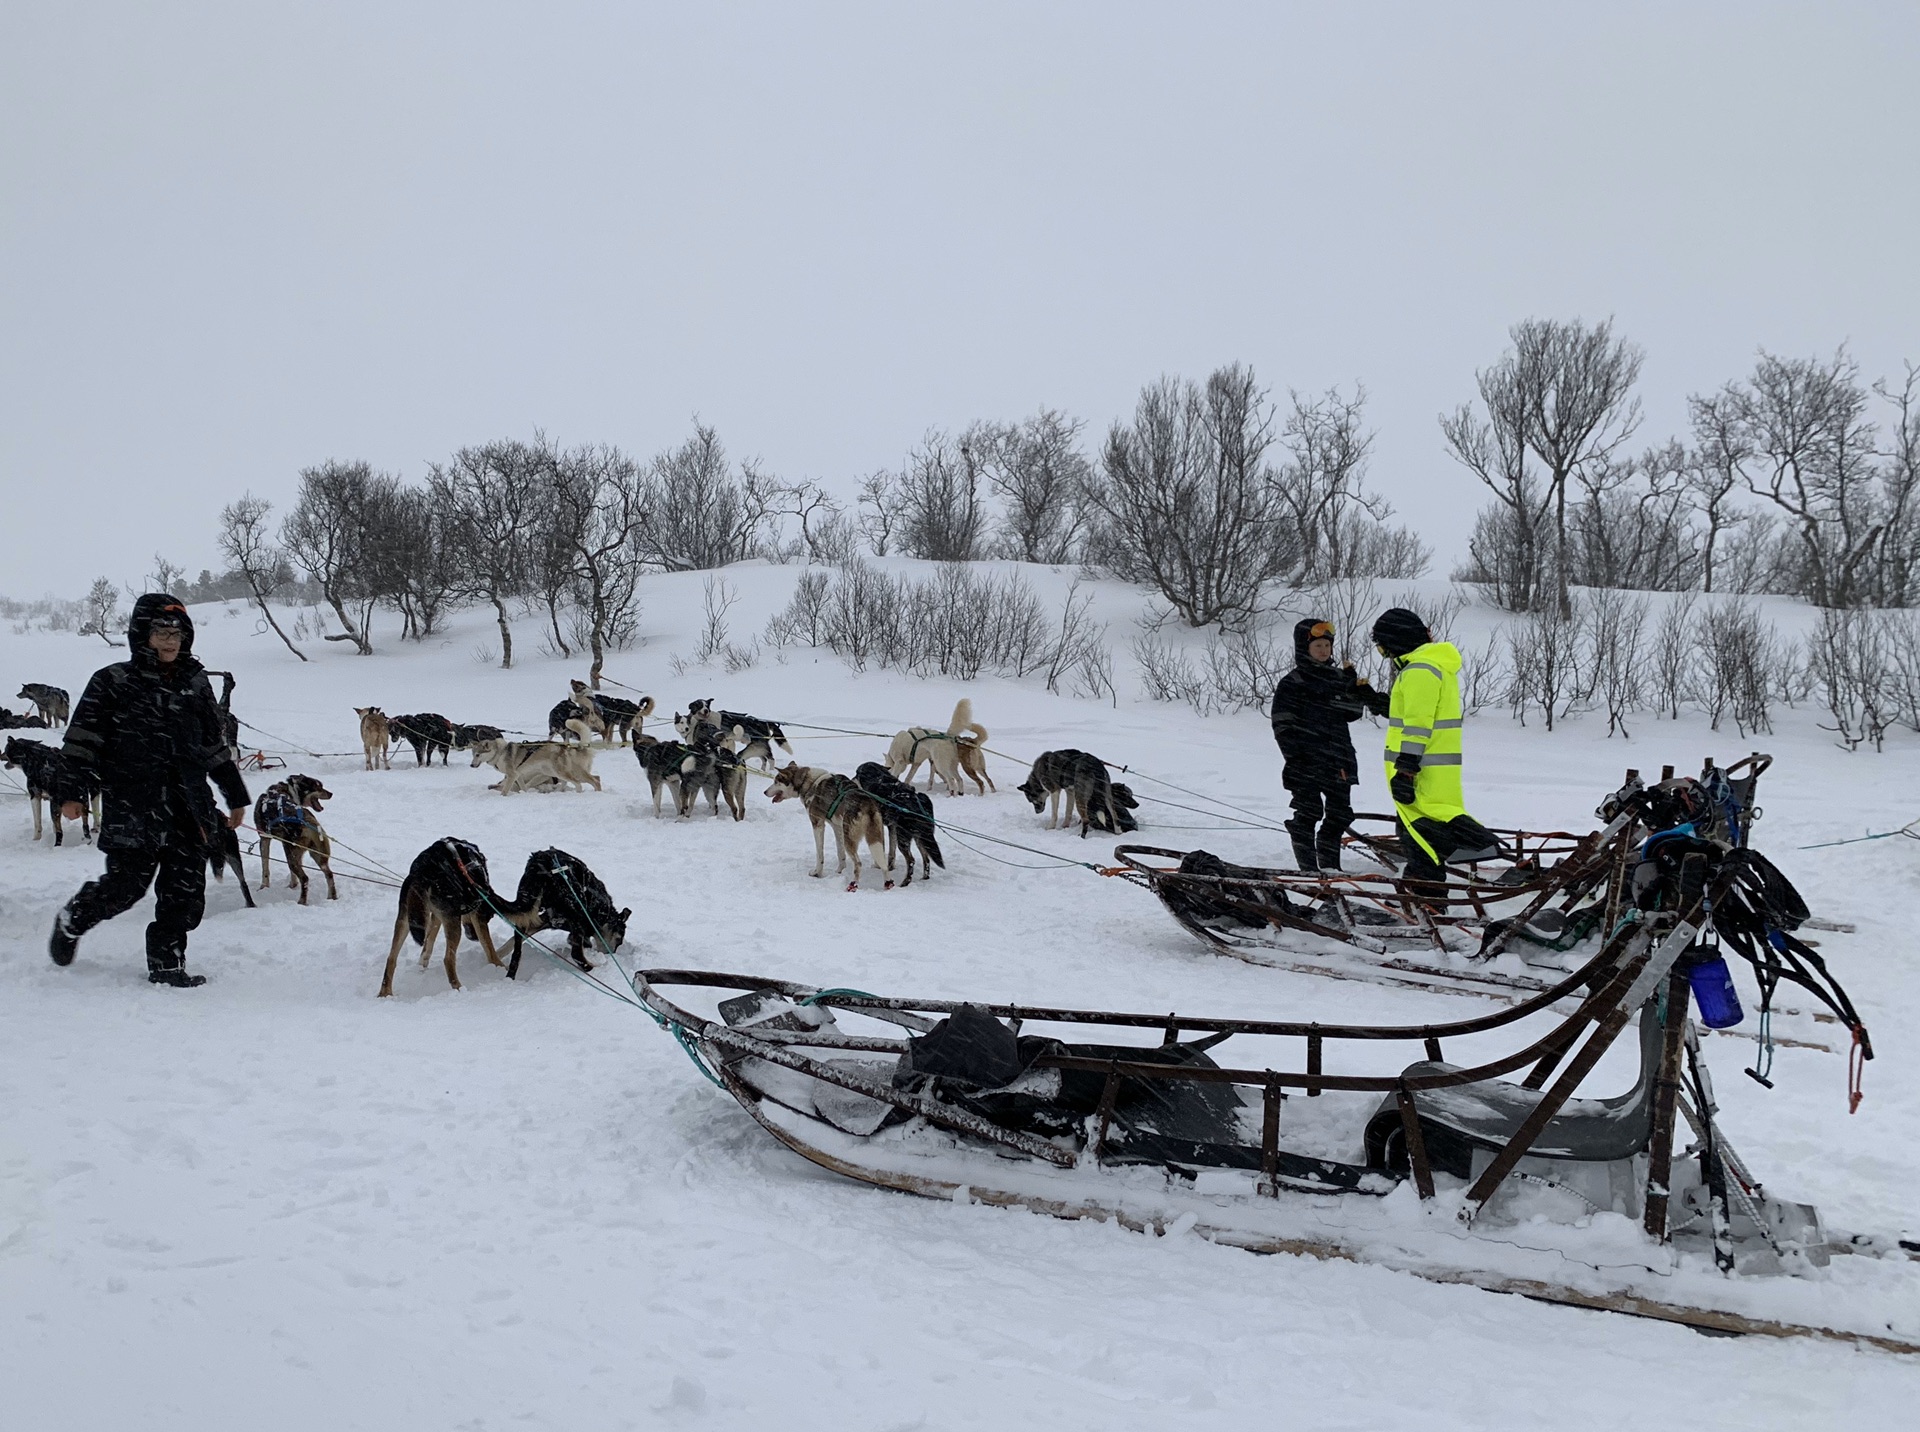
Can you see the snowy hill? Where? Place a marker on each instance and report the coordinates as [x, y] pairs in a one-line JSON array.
[[278, 1201]]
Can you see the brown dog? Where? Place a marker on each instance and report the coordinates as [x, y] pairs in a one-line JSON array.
[[973, 762], [288, 812], [838, 802], [446, 889], [376, 734]]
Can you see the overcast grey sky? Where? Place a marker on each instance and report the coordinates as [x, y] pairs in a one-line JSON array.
[[236, 240]]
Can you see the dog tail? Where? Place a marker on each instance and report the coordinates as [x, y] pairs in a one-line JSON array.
[[963, 719], [644, 706], [416, 910]]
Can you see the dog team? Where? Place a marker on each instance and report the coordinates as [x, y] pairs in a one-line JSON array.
[[159, 828]]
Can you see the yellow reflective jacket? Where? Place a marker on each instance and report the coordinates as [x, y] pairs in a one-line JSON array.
[[1423, 719]]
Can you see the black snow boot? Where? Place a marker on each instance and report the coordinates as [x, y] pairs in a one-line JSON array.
[[177, 977], [1303, 856], [65, 940]]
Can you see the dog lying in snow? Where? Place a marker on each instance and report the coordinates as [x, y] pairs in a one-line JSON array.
[[536, 765], [838, 802], [939, 750]]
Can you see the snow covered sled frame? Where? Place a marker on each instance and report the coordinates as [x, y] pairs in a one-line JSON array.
[[963, 1106]]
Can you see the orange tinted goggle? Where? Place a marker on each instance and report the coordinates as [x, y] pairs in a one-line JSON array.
[[1319, 630]]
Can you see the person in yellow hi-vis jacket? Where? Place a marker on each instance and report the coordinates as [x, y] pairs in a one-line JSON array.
[[1424, 750]]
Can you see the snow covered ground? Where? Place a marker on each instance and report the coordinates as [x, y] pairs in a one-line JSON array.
[[279, 1202]]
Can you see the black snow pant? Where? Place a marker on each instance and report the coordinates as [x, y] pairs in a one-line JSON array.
[[1321, 815], [178, 875], [1461, 835]]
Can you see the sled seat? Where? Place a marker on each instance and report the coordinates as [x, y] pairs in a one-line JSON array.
[[1458, 1120]]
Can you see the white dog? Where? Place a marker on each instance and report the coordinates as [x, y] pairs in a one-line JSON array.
[[940, 750]]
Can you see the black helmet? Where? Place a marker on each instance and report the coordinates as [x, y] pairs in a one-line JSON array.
[[162, 609], [1399, 631], [1307, 631]]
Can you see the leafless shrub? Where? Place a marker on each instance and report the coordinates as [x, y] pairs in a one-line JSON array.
[[1484, 677], [1079, 646], [1849, 663], [805, 615], [1189, 502], [1670, 653], [1244, 666], [718, 598], [1556, 405], [1093, 676], [1167, 672], [1615, 627], [1544, 651], [487, 494], [1736, 657], [1351, 604]]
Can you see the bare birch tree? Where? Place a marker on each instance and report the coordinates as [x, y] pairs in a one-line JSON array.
[[1189, 502], [251, 553], [488, 494], [1562, 395]]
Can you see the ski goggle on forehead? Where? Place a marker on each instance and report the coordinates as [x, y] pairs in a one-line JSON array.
[[1320, 631]]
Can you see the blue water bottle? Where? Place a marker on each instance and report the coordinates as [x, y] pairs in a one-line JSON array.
[[1713, 992]]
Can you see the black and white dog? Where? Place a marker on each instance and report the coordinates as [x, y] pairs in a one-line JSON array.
[[465, 736], [27, 722], [752, 738], [426, 732], [907, 815]]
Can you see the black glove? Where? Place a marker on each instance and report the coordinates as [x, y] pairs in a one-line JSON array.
[[1405, 768]]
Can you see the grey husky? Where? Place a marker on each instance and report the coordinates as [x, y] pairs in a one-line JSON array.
[[1082, 780]]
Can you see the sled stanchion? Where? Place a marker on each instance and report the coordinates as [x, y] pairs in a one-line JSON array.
[[1433, 1049], [1416, 1142], [1270, 1137], [1109, 1092], [1666, 1091], [1314, 1044]]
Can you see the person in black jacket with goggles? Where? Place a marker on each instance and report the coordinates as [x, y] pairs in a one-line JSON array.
[[1312, 707], [149, 732]]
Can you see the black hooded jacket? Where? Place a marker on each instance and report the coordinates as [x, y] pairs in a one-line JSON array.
[[1312, 707], [152, 737]]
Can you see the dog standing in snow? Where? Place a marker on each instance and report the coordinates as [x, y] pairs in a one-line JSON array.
[[939, 750], [838, 802]]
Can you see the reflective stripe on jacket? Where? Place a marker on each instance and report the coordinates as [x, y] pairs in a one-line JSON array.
[[1423, 719]]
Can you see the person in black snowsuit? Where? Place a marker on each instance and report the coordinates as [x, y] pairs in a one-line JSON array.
[[149, 731], [1312, 708]]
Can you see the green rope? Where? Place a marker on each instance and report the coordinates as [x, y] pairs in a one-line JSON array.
[[821, 994]]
